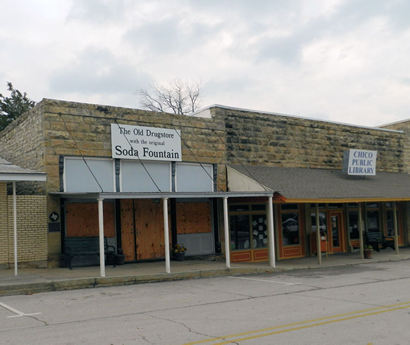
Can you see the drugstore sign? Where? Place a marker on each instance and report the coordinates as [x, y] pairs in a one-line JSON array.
[[360, 162], [145, 143]]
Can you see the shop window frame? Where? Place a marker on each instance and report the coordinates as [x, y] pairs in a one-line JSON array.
[[300, 225], [88, 159], [145, 162], [249, 212]]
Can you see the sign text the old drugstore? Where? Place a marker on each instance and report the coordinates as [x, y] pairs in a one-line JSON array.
[[145, 143]]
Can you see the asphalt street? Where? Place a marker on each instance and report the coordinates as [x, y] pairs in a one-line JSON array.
[[361, 304]]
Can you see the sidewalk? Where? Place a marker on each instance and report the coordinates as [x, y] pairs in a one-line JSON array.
[[56, 279]]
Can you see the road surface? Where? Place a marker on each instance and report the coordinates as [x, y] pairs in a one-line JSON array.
[[364, 304]]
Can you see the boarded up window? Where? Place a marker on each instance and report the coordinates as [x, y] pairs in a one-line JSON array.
[[194, 177], [134, 178], [82, 219], [78, 177], [193, 217]]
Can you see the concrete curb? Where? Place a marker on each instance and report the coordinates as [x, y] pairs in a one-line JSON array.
[[86, 283]]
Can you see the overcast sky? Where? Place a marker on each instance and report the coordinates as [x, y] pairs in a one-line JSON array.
[[337, 60]]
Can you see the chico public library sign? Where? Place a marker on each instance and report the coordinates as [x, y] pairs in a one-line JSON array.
[[360, 162], [147, 143]]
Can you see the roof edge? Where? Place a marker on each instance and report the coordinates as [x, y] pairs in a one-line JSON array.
[[294, 116]]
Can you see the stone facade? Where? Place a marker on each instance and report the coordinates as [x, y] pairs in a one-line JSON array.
[[54, 129], [405, 127], [74, 129], [31, 229], [276, 140], [22, 142]]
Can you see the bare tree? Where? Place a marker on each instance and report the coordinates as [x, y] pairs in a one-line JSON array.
[[179, 98]]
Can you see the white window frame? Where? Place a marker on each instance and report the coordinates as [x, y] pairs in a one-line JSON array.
[[66, 158], [148, 162], [205, 165]]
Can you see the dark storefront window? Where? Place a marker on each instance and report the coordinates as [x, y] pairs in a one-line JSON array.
[[240, 236], [322, 222], [354, 224], [290, 228], [373, 221], [389, 223], [238, 208], [248, 226]]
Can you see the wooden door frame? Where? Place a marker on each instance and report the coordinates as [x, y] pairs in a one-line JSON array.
[[342, 231], [400, 232], [297, 250]]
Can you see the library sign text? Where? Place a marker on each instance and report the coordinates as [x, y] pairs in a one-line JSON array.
[[360, 162], [145, 143]]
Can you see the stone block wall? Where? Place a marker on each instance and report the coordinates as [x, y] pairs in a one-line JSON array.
[[405, 127], [22, 141], [75, 129], [276, 140], [72, 129]]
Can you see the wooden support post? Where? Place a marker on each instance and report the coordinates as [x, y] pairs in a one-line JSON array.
[[226, 232], [318, 237], [361, 231], [166, 236], [101, 236], [396, 230], [271, 234]]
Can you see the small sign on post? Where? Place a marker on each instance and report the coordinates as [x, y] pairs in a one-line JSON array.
[[359, 162]]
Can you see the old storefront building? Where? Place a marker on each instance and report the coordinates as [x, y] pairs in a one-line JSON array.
[[133, 173]]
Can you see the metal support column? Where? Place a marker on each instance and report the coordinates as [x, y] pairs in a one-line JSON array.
[[361, 231], [101, 236], [166, 236], [226, 231], [271, 233], [396, 230], [15, 229], [318, 237]]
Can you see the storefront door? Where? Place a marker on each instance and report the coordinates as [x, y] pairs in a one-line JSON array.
[[336, 232], [142, 231]]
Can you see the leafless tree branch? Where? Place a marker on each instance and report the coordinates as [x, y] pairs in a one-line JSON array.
[[179, 98]]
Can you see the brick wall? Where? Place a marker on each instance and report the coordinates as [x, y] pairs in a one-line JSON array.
[[31, 229], [4, 238], [264, 139]]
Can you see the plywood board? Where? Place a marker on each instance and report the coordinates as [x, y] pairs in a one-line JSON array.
[[127, 230], [82, 219], [150, 229], [193, 217]]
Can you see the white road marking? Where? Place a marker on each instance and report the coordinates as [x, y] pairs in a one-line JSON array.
[[267, 281], [15, 311]]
